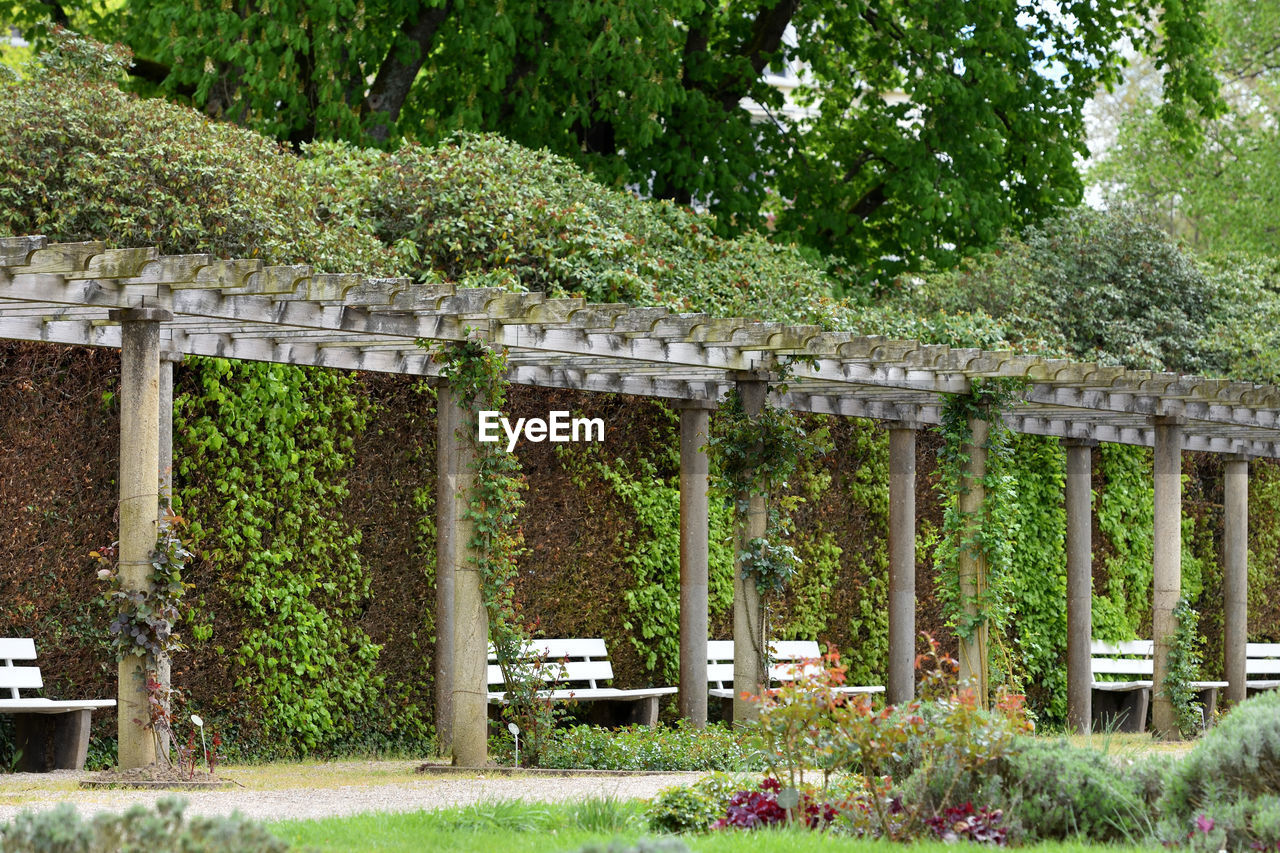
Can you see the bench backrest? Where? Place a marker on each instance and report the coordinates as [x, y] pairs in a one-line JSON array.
[[1262, 659], [783, 655], [1129, 658], [570, 663], [13, 678]]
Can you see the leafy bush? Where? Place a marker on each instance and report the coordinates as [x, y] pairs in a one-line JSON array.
[[61, 830], [693, 808], [1055, 790], [1228, 786], [682, 747]]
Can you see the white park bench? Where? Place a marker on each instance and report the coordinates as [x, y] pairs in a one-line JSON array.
[[50, 735], [784, 655], [1121, 702], [575, 671], [1261, 659]]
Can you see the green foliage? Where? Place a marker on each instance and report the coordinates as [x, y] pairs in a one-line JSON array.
[[692, 808], [62, 830], [1125, 514], [757, 455], [1184, 668], [668, 98], [1056, 791], [1037, 577], [1106, 286], [652, 553], [86, 161], [1219, 195], [1237, 759], [682, 747], [261, 455], [988, 534], [143, 620]]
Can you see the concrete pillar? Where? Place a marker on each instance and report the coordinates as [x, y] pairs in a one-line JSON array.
[[901, 684], [139, 498], [750, 651], [164, 666], [1079, 501], [972, 562], [470, 633], [1167, 580], [694, 523], [1235, 573], [447, 509]]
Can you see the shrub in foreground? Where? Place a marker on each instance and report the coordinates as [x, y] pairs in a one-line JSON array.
[[1226, 793], [62, 830]]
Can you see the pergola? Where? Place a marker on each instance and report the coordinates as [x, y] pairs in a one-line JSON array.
[[157, 308]]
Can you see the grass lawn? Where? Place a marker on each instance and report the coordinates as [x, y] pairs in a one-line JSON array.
[[502, 826]]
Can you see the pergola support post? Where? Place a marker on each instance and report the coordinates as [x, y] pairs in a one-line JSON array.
[[972, 561], [139, 500], [1167, 569], [1235, 572], [1079, 506], [470, 622], [447, 517], [901, 684], [164, 665], [695, 422], [750, 650]]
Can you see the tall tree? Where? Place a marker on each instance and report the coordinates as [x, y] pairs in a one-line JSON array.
[[1221, 195], [927, 126]]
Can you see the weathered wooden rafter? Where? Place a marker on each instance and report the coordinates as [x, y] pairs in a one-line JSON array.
[[63, 293]]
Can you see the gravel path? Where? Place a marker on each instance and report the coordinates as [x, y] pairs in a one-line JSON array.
[[25, 791]]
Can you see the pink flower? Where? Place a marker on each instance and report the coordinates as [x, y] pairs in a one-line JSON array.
[[1204, 824]]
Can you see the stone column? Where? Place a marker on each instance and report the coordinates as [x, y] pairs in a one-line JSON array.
[[750, 652], [447, 511], [1167, 571], [1079, 501], [694, 523], [470, 633], [972, 561], [139, 499], [164, 666], [901, 684], [1235, 573]]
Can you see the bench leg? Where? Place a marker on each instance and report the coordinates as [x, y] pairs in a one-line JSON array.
[[1123, 711], [52, 741], [644, 711], [71, 740], [1208, 699]]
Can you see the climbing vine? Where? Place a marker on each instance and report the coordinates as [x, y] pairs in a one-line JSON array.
[[476, 374], [261, 455], [757, 456], [1038, 577], [144, 620], [991, 532]]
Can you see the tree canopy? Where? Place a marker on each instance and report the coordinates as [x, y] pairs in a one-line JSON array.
[[924, 129], [1222, 195]]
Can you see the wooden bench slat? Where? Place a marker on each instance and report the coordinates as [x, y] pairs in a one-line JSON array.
[[556, 671], [1126, 666], [17, 648], [21, 677], [52, 706], [1262, 650], [1261, 666], [1128, 647]]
